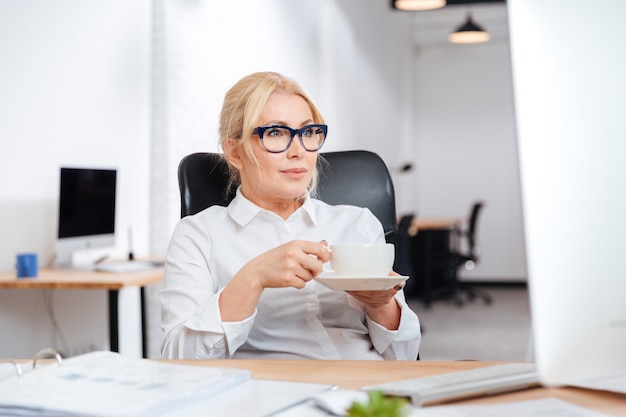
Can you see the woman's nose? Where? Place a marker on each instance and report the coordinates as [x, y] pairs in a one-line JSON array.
[[296, 148]]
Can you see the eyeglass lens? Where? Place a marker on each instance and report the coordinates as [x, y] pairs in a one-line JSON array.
[[278, 138]]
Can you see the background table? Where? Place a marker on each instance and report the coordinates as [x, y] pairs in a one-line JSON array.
[[430, 239], [92, 280]]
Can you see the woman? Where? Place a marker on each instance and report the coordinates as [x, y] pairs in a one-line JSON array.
[[239, 279]]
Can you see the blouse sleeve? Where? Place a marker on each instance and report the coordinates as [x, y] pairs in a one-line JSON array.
[[401, 344], [190, 314]]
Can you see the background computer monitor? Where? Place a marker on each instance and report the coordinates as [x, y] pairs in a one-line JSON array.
[[570, 96], [86, 211]]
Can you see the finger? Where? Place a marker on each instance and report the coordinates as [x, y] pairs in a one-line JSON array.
[[317, 249], [376, 299], [299, 283], [311, 267], [305, 275], [377, 293]]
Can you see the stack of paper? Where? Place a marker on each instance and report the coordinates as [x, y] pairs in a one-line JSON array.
[[107, 384]]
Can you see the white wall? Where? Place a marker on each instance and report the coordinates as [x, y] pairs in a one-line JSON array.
[[465, 138], [75, 91]]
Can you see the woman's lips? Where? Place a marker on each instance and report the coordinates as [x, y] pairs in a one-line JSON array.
[[295, 172]]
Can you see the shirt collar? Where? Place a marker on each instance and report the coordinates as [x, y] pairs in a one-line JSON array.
[[308, 208], [242, 210]]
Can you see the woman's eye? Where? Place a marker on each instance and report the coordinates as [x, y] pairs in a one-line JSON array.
[[308, 132], [274, 133]]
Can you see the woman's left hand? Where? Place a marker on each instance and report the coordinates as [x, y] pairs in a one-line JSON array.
[[375, 300], [381, 306]]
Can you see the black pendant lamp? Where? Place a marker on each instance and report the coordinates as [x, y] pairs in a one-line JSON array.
[[469, 32]]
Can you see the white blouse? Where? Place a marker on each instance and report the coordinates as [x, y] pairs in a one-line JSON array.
[[207, 249]]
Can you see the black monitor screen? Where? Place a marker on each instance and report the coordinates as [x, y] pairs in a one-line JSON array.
[[86, 202]]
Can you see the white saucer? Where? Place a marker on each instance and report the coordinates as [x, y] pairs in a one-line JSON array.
[[346, 283]]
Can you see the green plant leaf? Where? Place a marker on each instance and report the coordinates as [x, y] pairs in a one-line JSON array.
[[379, 406]]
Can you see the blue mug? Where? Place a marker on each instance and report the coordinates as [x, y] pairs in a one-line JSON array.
[[26, 265]]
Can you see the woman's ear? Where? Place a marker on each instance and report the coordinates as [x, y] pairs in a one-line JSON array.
[[232, 152]]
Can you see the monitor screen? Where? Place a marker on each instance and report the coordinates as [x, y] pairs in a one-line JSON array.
[[569, 103], [86, 210]]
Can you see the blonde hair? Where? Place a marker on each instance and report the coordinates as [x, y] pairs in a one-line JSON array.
[[242, 108]]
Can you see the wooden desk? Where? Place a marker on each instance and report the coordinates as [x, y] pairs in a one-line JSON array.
[[442, 223], [92, 280], [355, 374]]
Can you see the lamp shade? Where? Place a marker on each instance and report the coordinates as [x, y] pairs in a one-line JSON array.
[[469, 32], [414, 5]]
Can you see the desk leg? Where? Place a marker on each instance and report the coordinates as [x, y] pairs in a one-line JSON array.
[[114, 330], [113, 324], [428, 268], [144, 335]]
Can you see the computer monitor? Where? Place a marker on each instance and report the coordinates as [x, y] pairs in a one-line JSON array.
[[570, 95], [86, 211]]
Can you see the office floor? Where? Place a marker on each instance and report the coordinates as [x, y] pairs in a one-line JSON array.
[[475, 331]]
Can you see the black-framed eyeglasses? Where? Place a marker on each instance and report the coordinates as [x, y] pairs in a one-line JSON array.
[[277, 138]]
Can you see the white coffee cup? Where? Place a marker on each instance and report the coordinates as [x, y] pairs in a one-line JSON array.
[[362, 260]]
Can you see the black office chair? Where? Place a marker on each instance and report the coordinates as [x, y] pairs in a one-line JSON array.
[[359, 178], [459, 258]]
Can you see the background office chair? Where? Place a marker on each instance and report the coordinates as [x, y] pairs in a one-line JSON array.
[[464, 253], [359, 178]]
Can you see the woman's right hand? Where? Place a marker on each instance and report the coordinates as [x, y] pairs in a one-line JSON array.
[[292, 264]]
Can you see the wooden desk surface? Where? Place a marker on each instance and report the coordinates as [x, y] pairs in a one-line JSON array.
[[81, 279], [354, 374], [436, 223]]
